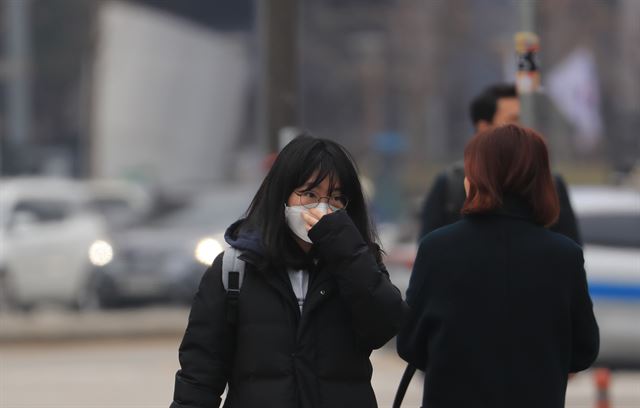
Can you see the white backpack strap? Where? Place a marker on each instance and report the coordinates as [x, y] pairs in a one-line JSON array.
[[232, 270]]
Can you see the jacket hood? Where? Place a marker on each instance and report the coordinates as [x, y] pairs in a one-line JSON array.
[[244, 239]]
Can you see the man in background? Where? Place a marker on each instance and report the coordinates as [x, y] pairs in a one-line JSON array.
[[496, 105]]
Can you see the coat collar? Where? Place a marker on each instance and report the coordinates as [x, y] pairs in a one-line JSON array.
[[514, 206]]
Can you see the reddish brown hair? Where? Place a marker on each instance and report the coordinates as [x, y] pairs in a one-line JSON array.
[[510, 160]]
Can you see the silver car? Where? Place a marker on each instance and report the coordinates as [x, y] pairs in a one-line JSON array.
[[164, 260]]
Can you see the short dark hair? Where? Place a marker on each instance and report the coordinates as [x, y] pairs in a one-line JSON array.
[[510, 160], [305, 157], [484, 106]]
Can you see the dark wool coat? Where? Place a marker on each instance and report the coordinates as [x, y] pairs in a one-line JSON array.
[[275, 357], [500, 315]]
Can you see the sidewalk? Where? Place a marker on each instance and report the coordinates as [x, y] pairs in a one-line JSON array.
[[58, 325], [52, 331]]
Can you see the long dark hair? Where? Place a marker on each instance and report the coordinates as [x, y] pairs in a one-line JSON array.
[[301, 159]]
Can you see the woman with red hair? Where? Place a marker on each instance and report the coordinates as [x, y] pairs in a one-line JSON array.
[[501, 312]]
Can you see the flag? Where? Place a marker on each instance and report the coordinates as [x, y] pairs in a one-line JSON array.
[[573, 87]]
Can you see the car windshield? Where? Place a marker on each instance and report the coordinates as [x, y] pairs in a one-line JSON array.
[[215, 210], [116, 211], [621, 230]]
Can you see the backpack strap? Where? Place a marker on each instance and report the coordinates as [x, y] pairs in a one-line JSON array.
[[404, 384], [232, 277]]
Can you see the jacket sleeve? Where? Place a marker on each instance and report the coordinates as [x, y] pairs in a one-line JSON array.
[[412, 341], [584, 328], [434, 207], [566, 224], [207, 347], [376, 306]]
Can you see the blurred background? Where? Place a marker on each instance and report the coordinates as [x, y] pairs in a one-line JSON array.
[[133, 132]]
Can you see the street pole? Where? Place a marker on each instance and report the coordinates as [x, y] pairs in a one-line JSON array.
[[528, 76], [279, 101], [17, 56]]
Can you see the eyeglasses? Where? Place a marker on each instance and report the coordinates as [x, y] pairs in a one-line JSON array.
[[309, 199]]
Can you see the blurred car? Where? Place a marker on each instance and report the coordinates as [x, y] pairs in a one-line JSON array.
[[609, 220], [49, 244], [164, 260]]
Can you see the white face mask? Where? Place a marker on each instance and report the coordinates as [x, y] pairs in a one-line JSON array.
[[296, 223]]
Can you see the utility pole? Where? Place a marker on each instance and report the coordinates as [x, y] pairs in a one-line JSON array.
[[17, 61], [278, 38]]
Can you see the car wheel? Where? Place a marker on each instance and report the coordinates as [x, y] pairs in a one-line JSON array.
[[5, 292], [89, 297], [8, 300]]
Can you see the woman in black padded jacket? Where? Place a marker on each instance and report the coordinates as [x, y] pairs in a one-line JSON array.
[[315, 299]]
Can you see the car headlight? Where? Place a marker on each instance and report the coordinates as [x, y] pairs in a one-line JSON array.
[[100, 253], [207, 250]]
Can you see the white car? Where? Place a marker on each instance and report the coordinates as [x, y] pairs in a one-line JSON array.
[[49, 242], [609, 220]]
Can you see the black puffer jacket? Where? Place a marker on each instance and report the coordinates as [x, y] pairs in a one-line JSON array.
[[276, 357]]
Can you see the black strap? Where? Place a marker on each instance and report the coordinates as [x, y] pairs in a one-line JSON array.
[[404, 384]]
